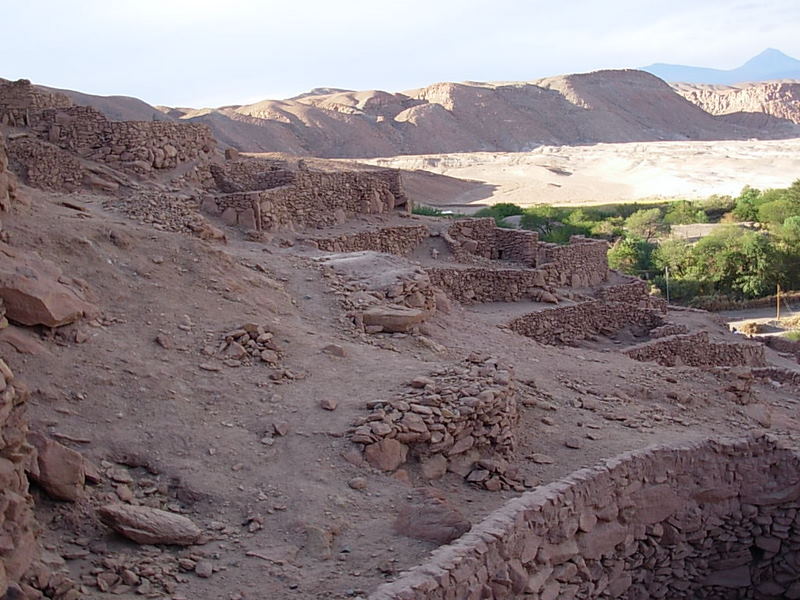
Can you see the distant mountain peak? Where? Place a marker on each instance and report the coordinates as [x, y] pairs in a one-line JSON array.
[[768, 64]]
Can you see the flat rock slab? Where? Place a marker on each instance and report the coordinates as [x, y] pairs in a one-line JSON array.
[[145, 525], [394, 318]]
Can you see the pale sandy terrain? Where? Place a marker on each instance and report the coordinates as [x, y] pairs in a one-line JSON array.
[[603, 173]]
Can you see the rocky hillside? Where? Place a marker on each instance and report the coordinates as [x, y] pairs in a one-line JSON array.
[[777, 98], [604, 106]]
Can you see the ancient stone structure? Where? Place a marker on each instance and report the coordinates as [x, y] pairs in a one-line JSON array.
[[391, 240], [138, 146], [471, 285], [695, 350], [468, 238], [17, 525], [454, 417], [710, 519], [8, 187], [581, 263], [633, 291], [569, 324], [667, 330], [46, 166], [309, 199]]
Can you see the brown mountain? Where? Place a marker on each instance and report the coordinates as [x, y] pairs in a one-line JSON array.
[[603, 106]]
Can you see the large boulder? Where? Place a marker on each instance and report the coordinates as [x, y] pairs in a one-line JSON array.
[[394, 318], [145, 525], [33, 291], [59, 470], [428, 516]]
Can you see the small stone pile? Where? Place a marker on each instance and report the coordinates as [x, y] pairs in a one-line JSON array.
[[447, 421], [495, 474], [249, 344]]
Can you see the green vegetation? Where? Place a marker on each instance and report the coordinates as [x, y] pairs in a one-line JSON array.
[[427, 211], [734, 262], [794, 336]]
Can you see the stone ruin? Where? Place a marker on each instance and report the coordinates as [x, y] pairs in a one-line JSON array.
[[272, 195], [695, 350], [450, 421], [715, 519]]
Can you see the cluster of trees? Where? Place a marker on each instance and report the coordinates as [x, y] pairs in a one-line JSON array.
[[756, 246]]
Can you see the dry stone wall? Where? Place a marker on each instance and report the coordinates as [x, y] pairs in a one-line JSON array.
[[313, 199], [17, 525], [251, 175], [470, 238], [569, 324], [391, 240], [633, 291], [705, 520], [8, 188], [581, 263], [471, 285], [46, 166], [695, 350], [19, 100]]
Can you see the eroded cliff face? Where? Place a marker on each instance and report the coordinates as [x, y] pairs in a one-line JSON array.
[[777, 98]]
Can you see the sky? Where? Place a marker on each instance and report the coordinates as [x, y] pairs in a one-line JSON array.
[[204, 53]]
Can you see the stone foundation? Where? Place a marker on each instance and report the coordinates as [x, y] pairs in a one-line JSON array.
[[569, 324], [581, 263], [390, 240], [468, 238], [695, 350], [17, 524], [710, 519]]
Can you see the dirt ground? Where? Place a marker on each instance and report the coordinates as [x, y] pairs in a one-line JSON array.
[[249, 454]]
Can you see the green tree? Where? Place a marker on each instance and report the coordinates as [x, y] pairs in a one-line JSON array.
[[684, 213], [542, 218], [646, 224], [632, 255]]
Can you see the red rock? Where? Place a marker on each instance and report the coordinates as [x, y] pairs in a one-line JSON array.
[[33, 294], [60, 469], [146, 525], [428, 516], [386, 455]]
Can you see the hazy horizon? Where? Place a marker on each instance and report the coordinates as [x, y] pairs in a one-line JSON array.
[[183, 53]]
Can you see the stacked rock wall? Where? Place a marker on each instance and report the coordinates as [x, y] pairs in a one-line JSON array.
[[17, 525], [581, 263], [7, 181], [251, 175], [569, 324], [704, 520], [313, 199], [46, 166], [391, 240], [471, 407], [695, 350], [475, 284], [634, 291], [20, 102], [470, 238]]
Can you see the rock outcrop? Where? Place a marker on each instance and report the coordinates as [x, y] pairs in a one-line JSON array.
[[779, 99]]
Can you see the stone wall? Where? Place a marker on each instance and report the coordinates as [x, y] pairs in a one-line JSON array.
[[46, 166], [391, 240], [19, 101], [251, 175], [569, 324], [8, 187], [469, 238], [581, 263], [695, 350], [139, 146], [710, 519], [471, 285], [313, 199], [633, 291], [464, 411], [17, 525]]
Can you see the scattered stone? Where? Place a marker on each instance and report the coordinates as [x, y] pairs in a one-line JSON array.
[[434, 467], [204, 569], [335, 350], [386, 455], [358, 483], [328, 404], [542, 459]]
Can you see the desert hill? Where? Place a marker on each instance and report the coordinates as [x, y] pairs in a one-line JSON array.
[[603, 106], [777, 98], [770, 64]]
